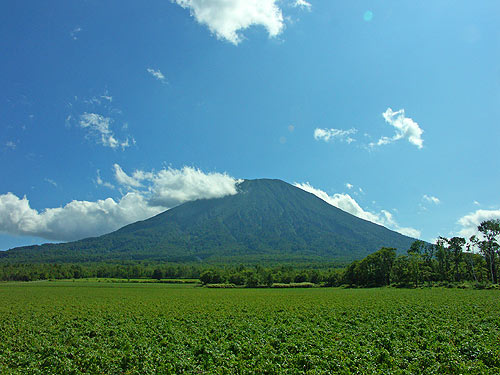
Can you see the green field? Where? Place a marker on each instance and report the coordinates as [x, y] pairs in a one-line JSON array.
[[119, 328]]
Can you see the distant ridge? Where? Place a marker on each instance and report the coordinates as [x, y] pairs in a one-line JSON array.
[[266, 221]]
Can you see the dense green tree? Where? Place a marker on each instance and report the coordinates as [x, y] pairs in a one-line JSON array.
[[490, 248], [373, 270], [157, 274], [236, 278], [455, 246], [415, 262], [314, 277], [429, 266], [301, 277], [211, 276], [474, 264], [400, 273], [268, 278], [350, 274], [251, 279], [443, 259]]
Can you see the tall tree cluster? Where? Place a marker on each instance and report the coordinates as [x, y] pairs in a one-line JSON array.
[[449, 260]]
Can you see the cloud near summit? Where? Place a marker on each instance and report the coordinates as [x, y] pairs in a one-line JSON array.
[[346, 203], [147, 194], [170, 187]]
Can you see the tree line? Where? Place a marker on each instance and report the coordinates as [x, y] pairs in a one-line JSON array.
[[448, 260], [134, 270], [250, 275]]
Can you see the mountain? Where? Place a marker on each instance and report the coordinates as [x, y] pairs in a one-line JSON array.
[[266, 221]]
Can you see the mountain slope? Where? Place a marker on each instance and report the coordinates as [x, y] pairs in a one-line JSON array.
[[268, 220]]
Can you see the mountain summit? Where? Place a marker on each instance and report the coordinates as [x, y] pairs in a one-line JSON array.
[[266, 221]]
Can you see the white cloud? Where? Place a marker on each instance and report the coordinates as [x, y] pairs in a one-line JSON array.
[[302, 4], [77, 219], [100, 126], [100, 181], [405, 128], [170, 187], [125, 179], [157, 192], [343, 201], [226, 18], [470, 222], [431, 199], [11, 145], [332, 134], [75, 32], [387, 218], [52, 182], [410, 232], [157, 74], [346, 203], [349, 186], [93, 101]]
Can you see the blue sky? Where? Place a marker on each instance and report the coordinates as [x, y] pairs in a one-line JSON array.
[[111, 112]]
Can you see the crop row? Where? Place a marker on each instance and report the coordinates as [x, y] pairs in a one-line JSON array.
[[75, 328]]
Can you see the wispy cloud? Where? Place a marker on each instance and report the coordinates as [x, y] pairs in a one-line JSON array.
[[226, 19], [157, 74], [124, 179], [99, 181], [93, 101], [107, 97], [328, 135], [74, 33], [10, 144], [302, 4], [349, 186], [99, 127], [405, 128], [101, 120], [348, 204], [430, 199], [52, 182]]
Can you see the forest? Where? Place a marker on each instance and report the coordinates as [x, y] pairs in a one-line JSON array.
[[449, 261]]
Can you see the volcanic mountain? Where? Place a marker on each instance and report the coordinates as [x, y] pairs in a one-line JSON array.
[[266, 221]]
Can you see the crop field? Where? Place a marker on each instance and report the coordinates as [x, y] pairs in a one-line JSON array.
[[118, 328]]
